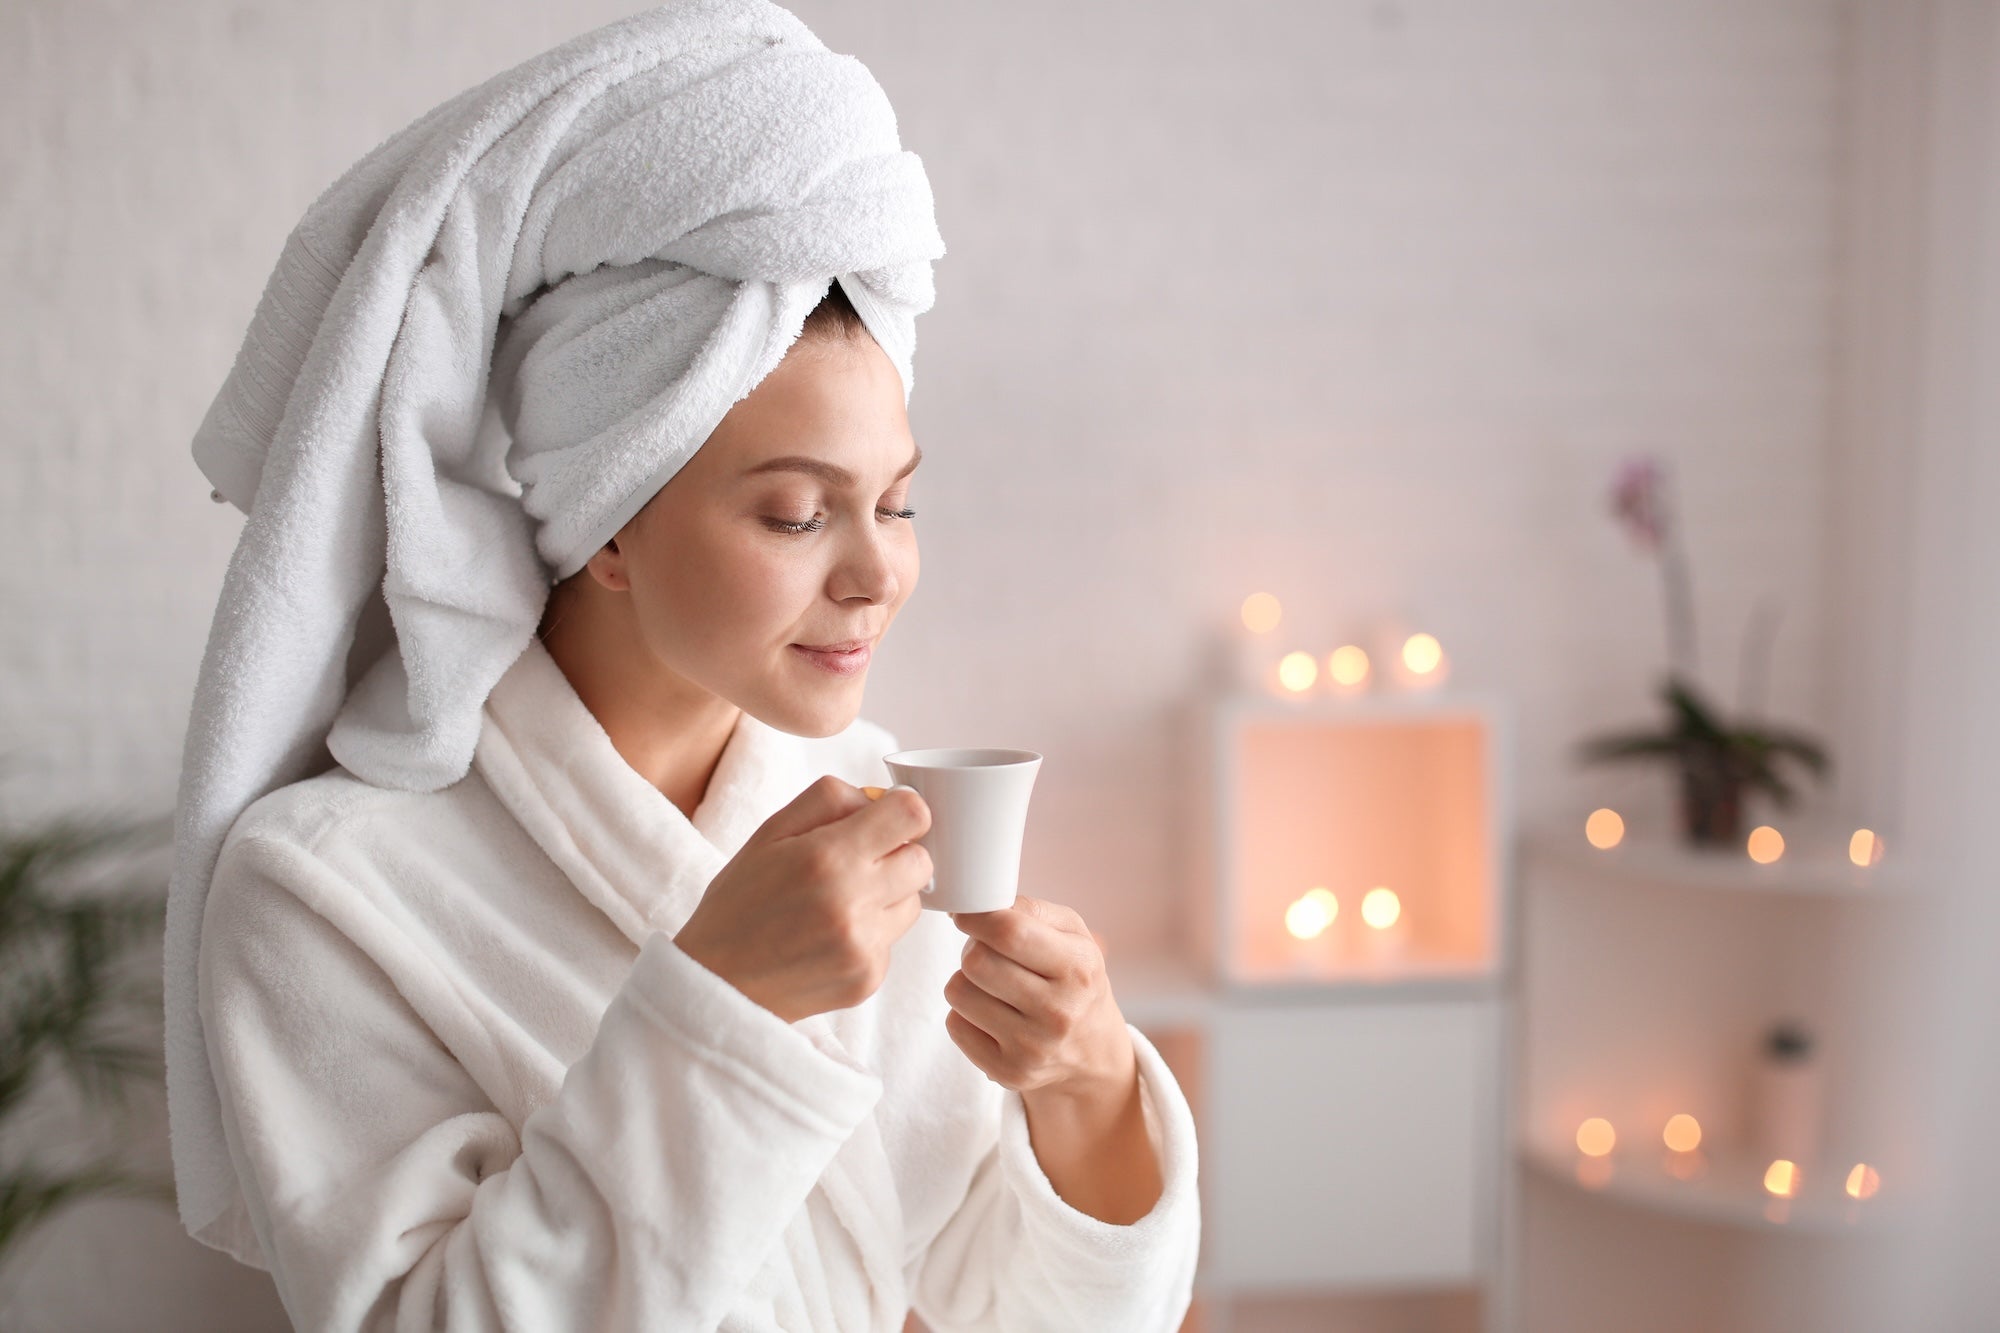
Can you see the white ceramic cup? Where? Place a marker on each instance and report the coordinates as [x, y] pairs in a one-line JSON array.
[[979, 814]]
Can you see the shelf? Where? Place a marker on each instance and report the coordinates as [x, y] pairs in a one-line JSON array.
[[1350, 801], [1729, 1190], [1156, 992], [1816, 866], [1160, 992]]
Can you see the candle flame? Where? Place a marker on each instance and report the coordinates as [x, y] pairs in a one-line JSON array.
[[1766, 844], [1347, 665], [1297, 672], [1261, 613], [1865, 847], [1605, 829], [1781, 1179], [1595, 1137], [1380, 908], [1310, 914], [1422, 654]]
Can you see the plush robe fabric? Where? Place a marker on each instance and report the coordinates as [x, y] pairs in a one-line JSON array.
[[471, 1082]]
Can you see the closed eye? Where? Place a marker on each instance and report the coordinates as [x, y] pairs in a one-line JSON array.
[[816, 522]]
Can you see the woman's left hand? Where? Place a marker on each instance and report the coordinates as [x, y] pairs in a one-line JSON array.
[[1031, 1005]]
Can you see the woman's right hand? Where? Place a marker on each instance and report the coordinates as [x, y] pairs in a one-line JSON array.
[[801, 920]]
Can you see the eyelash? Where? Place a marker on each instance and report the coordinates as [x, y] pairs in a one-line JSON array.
[[815, 524]]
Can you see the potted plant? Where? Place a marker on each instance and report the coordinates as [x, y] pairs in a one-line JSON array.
[[1717, 760], [73, 1019]]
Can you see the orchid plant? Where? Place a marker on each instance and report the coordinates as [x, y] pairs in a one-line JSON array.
[[1718, 761]]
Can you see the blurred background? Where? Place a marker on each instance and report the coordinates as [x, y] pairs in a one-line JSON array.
[[1496, 362]]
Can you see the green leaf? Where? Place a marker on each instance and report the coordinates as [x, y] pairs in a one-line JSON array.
[[1693, 719], [71, 907], [1635, 745], [29, 1197]]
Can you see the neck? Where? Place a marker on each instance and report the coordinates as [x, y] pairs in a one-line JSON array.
[[669, 730]]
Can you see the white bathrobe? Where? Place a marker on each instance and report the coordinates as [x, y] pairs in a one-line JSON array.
[[470, 1082]]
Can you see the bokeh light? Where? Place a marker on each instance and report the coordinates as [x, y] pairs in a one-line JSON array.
[[1865, 847], [1380, 908], [1595, 1137], [1422, 654], [1683, 1133], [1605, 829], [1261, 613], [1310, 914], [1766, 844], [1347, 665], [1781, 1179], [1297, 672]]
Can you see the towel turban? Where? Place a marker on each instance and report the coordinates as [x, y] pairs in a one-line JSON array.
[[481, 351]]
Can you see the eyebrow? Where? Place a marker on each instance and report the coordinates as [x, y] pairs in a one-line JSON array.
[[825, 471]]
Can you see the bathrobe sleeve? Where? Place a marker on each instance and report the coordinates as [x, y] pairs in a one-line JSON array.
[[1014, 1258], [387, 1190]]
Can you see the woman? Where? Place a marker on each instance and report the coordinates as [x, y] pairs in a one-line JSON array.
[[599, 996]]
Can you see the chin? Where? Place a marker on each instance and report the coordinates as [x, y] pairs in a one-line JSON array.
[[814, 718]]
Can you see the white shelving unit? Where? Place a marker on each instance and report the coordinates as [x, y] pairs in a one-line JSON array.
[[1351, 1088], [1649, 971], [1725, 1188]]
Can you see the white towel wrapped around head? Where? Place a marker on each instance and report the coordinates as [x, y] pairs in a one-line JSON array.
[[629, 230]]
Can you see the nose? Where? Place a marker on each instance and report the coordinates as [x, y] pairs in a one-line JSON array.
[[866, 569]]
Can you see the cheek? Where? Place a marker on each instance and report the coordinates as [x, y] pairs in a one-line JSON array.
[[759, 582], [907, 567], [719, 586]]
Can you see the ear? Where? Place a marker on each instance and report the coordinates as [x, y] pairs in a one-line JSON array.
[[607, 566]]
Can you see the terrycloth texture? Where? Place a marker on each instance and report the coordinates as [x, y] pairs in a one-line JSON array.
[[633, 226], [472, 1083]]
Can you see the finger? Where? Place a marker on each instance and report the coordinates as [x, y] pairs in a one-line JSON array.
[[1023, 937], [825, 802], [904, 912], [904, 873], [1003, 978], [989, 1013], [979, 1046], [880, 826], [1056, 914]]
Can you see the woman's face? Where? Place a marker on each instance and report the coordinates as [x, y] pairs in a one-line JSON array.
[[784, 531]]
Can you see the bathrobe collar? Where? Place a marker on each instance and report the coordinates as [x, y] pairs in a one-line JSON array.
[[632, 853], [625, 846]]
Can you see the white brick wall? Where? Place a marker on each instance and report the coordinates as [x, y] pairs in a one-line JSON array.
[[1355, 300]]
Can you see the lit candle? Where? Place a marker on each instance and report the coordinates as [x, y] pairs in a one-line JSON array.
[[1683, 1139], [1385, 937], [1865, 848], [1306, 920], [1255, 645], [1347, 670], [1421, 664], [1595, 1137], [1781, 1182], [1296, 674]]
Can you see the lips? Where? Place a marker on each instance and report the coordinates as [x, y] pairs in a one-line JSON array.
[[844, 646], [847, 662]]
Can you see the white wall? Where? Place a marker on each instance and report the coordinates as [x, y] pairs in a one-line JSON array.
[[1929, 578], [1355, 300]]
